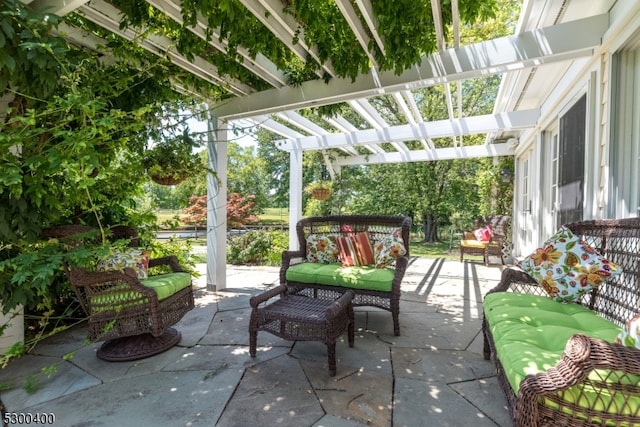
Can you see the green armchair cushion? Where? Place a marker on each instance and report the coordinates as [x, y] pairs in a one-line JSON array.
[[366, 277], [164, 285]]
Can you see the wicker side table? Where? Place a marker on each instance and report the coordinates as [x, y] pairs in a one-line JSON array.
[[301, 318]]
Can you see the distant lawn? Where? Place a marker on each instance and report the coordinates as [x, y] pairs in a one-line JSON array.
[[274, 216]]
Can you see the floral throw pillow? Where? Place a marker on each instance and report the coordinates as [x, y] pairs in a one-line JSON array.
[[322, 248], [137, 259], [630, 334], [388, 248], [567, 268]]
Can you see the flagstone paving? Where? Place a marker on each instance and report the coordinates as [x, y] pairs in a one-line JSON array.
[[433, 374]]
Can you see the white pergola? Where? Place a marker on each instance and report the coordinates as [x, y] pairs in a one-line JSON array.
[[277, 109]]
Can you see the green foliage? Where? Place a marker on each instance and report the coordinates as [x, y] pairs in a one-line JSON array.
[[173, 157], [240, 210], [257, 247]]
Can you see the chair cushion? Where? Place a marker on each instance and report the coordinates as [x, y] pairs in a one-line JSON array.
[[164, 285], [530, 332], [365, 277], [473, 244], [168, 284]]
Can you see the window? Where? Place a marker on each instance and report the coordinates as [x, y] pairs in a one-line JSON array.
[[570, 163]]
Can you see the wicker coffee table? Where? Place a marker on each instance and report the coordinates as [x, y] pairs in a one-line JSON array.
[[301, 318]]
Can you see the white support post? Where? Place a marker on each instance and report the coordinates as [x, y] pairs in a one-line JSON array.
[[295, 196], [217, 206]]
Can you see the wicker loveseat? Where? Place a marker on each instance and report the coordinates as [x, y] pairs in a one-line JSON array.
[[558, 364], [303, 273]]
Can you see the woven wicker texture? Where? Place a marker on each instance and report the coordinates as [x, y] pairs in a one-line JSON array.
[[609, 371], [300, 318], [378, 226]]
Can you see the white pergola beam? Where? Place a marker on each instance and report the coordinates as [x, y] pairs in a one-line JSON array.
[[448, 153], [436, 129], [531, 48]]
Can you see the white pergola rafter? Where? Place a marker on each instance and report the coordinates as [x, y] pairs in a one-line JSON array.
[[261, 66], [366, 9], [107, 16], [435, 129], [350, 15], [284, 27]]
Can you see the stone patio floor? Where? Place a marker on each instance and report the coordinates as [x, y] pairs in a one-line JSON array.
[[432, 375]]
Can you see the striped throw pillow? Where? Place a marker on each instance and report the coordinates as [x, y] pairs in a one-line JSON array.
[[355, 250]]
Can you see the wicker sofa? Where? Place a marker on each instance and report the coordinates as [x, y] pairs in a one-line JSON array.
[[377, 287], [558, 364]]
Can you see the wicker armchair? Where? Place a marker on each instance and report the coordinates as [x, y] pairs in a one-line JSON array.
[[595, 382], [500, 226], [133, 316]]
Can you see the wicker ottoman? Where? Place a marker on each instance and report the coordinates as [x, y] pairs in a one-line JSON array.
[[301, 318]]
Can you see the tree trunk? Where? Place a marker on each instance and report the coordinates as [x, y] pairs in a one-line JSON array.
[[430, 228]]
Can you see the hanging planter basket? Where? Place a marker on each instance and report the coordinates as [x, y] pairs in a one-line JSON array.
[[321, 193], [168, 179]]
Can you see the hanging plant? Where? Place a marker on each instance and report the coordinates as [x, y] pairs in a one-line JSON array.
[[319, 190], [172, 160]]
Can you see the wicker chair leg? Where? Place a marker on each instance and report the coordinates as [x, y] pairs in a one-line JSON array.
[[396, 323], [253, 342], [331, 354], [486, 350], [351, 327]]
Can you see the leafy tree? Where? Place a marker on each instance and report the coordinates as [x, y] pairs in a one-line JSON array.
[[247, 174], [277, 167], [196, 212], [240, 210]]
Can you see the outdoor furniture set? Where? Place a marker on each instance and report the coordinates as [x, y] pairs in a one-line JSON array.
[[343, 261], [129, 309], [563, 329], [487, 239]]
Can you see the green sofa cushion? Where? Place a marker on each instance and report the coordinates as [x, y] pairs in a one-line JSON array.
[[357, 277], [164, 285], [530, 333]]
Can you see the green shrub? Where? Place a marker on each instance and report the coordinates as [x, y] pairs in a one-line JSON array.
[[257, 247]]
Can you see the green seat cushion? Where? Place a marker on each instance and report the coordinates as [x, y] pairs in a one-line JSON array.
[[164, 285], [530, 333], [334, 274], [168, 284]]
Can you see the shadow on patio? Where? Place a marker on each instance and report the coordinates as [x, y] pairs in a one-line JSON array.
[[433, 374]]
